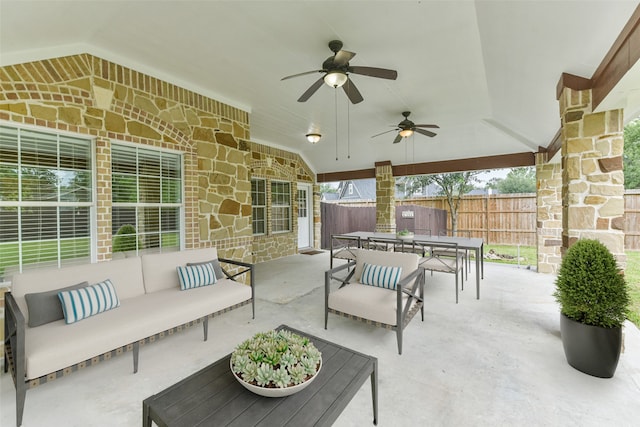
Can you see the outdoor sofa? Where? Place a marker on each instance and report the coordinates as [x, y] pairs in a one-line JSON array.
[[374, 293], [148, 302]]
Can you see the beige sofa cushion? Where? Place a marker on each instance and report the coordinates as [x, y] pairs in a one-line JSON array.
[[125, 274], [56, 345], [159, 270]]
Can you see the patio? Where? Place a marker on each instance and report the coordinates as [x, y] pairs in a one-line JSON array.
[[493, 361]]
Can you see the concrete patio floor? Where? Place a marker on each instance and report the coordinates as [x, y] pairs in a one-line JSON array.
[[487, 362]]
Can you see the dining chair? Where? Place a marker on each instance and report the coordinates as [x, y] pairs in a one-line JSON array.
[[451, 264]]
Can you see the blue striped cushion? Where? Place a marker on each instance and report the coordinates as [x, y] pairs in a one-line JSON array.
[[380, 275], [195, 276], [78, 304]]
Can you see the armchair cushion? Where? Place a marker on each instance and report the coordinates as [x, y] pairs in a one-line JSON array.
[[368, 302], [407, 261], [380, 275]]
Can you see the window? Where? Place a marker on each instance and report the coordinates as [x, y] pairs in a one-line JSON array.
[[46, 199], [280, 206], [302, 203], [147, 199], [258, 206]]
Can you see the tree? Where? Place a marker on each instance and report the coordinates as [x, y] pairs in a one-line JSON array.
[[452, 185], [327, 188], [518, 180], [410, 185], [631, 155]]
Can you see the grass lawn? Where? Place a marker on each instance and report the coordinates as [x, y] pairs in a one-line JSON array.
[[43, 251], [528, 254], [632, 274]]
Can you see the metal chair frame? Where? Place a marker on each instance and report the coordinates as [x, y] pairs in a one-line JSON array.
[[443, 264]]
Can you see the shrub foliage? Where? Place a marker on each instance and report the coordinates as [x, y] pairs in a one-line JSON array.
[[590, 287], [125, 239]]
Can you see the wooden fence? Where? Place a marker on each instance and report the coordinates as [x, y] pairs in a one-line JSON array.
[[510, 219], [632, 219], [340, 219]]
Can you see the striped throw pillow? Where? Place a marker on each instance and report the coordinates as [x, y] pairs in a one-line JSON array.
[[380, 276], [78, 304], [195, 276]]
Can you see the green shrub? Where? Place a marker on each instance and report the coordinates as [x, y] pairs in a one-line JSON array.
[[590, 287], [125, 239]]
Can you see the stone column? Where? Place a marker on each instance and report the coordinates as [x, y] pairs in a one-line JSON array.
[[385, 198], [317, 218], [549, 214], [592, 178]]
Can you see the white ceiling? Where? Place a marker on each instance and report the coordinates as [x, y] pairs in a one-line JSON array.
[[485, 71]]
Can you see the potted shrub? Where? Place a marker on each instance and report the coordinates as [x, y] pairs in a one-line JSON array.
[[593, 298]]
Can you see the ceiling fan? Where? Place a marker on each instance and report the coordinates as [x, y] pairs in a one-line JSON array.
[[406, 128], [336, 71]]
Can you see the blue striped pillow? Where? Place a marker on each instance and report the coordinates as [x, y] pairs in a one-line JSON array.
[[195, 276], [380, 276], [78, 304]]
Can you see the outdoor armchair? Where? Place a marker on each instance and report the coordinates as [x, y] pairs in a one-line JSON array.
[[390, 306]]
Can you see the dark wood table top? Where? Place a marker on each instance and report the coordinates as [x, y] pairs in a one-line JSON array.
[[213, 397]]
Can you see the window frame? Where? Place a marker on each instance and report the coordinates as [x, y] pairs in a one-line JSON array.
[[145, 205], [57, 138], [288, 207], [262, 207]]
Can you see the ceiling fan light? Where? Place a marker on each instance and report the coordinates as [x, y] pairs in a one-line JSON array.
[[406, 133], [313, 137], [335, 79]]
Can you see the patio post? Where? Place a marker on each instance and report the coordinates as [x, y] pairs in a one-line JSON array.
[[592, 177], [385, 198], [548, 213], [317, 217]]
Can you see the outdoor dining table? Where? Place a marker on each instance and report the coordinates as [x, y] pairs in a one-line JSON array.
[[468, 243]]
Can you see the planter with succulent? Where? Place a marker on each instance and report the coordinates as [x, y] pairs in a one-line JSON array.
[[593, 298], [405, 234], [276, 363]]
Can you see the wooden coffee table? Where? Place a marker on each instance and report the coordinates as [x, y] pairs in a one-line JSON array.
[[213, 397]]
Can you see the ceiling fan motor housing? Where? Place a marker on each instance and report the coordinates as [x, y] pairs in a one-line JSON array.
[[335, 46]]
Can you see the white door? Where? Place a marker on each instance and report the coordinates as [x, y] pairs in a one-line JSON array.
[[305, 216]]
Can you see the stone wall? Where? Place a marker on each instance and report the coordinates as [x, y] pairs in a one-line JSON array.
[[593, 181], [271, 163], [385, 198], [90, 96], [549, 214]]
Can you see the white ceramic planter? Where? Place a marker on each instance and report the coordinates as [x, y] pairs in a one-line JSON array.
[[276, 392], [405, 236]]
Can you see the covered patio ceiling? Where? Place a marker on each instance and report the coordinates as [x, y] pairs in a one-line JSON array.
[[484, 71]]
